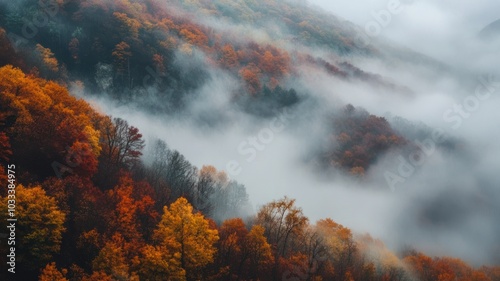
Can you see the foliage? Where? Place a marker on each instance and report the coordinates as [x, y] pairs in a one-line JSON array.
[[359, 139], [39, 227], [187, 236]]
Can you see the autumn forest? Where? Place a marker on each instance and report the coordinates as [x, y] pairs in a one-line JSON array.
[[97, 199]]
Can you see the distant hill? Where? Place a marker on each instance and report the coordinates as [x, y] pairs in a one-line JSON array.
[[491, 31]]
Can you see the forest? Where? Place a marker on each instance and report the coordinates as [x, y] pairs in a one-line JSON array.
[[90, 209], [96, 201]]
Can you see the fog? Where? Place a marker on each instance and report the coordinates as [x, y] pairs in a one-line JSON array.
[[448, 206], [441, 29]]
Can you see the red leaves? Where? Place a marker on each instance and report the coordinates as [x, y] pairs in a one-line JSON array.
[[360, 138], [50, 124]]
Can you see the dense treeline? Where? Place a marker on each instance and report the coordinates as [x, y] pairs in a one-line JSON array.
[[90, 206], [165, 49], [358, 139], [117, 46], [94, 203]]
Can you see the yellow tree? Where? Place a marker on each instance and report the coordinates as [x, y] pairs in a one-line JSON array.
[[258, 250], [113, 260], [49, 62], [340, 244], [157, 264], [39, 227], [187, 236]]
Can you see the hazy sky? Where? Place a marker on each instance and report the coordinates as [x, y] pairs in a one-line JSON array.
[[428, 26]]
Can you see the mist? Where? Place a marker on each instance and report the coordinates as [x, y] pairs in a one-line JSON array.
[[447, 206]]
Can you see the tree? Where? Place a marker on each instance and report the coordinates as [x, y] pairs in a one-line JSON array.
[[122, 54], [156, 171], [158, 264], [51, 273], [193, 35], [258, 251], [113, 260], [383, 262], [251, 75], [180, 175], [210, 182], [122, 146], [230, 199], [341, 248], [86, 211], [132, 212], [232, 234], [39, 227], [47, 125], [187, 237], [422, 266], [229, 57], [283, 222], [122, 143], [285, 225], [49, 63], [127, 27], [98, 276]]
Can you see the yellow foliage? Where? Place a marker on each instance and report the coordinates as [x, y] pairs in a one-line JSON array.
[[187, 236], [40, 224], [157, 264], [50, 62]]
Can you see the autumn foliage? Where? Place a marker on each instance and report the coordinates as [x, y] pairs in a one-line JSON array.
[[359, 139], [90, 208]]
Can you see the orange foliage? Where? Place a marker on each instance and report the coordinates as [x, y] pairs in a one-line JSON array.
[[132, 211], [47, 115], [251, 76], [121, 54], [193, 35], [229, 57], [49, 61]]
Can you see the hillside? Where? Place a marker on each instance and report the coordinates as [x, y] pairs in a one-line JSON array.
[[159, 55], [122, 123]]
